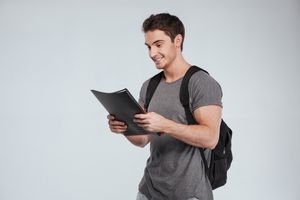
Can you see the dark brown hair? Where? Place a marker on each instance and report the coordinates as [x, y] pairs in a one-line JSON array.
[[170, 24]]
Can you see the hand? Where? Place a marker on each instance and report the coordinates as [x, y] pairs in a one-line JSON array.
[[151, 121], [116, 126]]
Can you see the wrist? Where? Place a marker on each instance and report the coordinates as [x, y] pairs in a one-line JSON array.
[[169, 127]]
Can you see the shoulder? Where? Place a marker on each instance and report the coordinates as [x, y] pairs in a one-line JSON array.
[[204, 90], [202, 79], [202, 76]]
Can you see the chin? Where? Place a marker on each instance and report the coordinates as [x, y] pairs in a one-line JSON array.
[[160, 66]]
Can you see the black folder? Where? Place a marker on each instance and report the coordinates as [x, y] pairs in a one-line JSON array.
[[123, 106]]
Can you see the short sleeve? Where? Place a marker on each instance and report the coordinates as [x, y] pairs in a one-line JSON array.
[[204, 91]]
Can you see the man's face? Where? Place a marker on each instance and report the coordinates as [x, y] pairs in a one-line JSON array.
[[161, 49]]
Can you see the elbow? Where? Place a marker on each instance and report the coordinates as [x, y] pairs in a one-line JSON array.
[[211, 145], [213, 141], [138, 140], [141, 144]]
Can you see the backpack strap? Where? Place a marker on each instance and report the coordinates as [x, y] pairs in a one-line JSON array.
[[185, 101], [184, 93], [153, 83]]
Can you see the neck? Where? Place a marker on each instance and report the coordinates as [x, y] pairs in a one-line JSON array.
[[176, 69]]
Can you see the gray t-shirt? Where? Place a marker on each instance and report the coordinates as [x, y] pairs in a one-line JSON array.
[[175, 170]]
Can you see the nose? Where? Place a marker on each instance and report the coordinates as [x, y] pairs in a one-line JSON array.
[[152, 52]]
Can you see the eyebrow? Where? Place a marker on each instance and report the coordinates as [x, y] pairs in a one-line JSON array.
[[154, 42]]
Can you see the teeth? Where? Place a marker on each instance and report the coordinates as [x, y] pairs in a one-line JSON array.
[[157, 60]]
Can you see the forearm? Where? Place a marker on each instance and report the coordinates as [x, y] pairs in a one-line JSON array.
[[205, 134], [139, 140], [196, 135]]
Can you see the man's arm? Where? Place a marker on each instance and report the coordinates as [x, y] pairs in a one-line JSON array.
[[205, 134], [139, 140], [120, 127]]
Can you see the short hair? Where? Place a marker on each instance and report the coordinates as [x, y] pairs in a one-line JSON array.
[[170, 24]]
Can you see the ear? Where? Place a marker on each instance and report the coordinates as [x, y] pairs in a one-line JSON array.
[[178, 40]]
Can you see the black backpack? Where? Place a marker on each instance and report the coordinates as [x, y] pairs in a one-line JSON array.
[[221, 156]]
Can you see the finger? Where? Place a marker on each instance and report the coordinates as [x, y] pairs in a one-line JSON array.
[[110, 117], [116, 123], [140, 116], [141, 121], [144, 126], [144, 109], [118, 129], [141, 125]]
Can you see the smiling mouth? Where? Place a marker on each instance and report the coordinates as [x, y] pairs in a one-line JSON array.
[[157, 60]]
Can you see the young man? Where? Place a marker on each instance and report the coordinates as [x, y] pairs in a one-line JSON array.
[[175, 169]]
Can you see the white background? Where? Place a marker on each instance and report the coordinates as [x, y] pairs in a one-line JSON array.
[[54, 138]]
